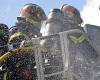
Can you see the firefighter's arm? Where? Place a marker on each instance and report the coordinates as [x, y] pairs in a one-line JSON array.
[[11, 53]]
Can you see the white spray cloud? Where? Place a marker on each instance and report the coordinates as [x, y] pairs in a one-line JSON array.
[[91, 12]]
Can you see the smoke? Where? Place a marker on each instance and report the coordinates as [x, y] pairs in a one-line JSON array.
[[91, 12]]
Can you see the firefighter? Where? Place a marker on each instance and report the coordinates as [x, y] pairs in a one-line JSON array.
[[78, 45], [53, 25], [21, 66], [4, 35]]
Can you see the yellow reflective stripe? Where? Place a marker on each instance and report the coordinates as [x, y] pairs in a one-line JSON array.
[[6, 56], [24, 49], [18, 34], [77, 40], [74, 39], [5, 76], [81, 39], [32, 21]]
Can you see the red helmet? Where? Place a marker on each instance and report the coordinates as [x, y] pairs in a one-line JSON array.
[[70, 9], [32, 12]]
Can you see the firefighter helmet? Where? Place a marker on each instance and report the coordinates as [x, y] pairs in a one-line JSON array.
[[72, 10], [32, 13]]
